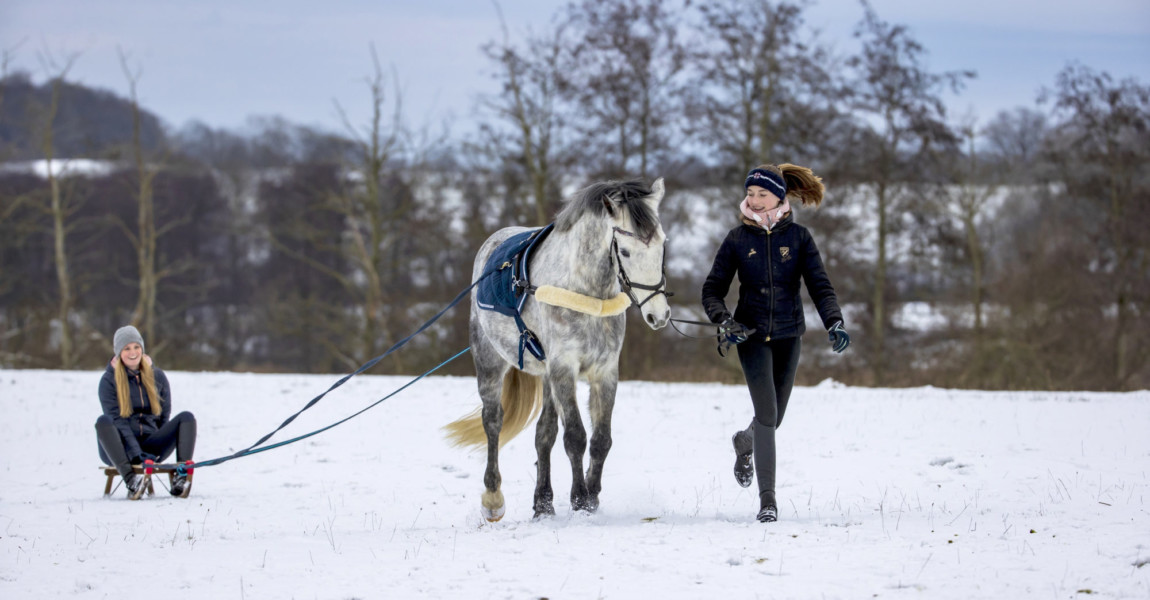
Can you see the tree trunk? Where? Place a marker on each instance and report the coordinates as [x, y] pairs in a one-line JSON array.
[[59, 231], [1121, 334], [975, 249], [879, 297], [63, 279], [145, 312]]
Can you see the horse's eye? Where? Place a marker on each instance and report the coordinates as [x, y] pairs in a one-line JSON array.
[[626, 253]]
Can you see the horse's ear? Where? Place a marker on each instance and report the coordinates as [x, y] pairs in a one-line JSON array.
[[657, 191], [609, 204]]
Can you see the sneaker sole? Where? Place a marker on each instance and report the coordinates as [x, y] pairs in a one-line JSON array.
[[743, 476]]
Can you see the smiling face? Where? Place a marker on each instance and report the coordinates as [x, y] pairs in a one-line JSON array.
[[131, 356], [760, 200]]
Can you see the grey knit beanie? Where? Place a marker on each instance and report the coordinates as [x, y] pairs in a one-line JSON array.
[[124, 336]]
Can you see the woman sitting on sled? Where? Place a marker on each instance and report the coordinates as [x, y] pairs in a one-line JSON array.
[[135, 427]]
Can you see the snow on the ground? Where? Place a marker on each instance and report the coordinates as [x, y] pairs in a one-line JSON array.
[[909, 493]]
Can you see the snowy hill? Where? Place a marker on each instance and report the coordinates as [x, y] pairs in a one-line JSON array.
[[924, 493]]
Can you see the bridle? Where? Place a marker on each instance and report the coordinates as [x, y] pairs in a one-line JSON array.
[[659, 288], [625, 281]]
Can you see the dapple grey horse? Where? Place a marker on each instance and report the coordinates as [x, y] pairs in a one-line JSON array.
[[607, 245]]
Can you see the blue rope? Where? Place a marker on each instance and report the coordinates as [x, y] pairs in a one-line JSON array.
[[182, 469]]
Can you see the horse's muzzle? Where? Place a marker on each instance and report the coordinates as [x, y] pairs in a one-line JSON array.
[[657, 323]]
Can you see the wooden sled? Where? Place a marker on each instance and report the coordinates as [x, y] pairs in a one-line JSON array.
[[147, 470]]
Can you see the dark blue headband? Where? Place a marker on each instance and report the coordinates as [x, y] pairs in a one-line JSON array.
[[771, 181]]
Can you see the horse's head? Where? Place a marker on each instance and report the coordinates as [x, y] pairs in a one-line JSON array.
[[639, 247]]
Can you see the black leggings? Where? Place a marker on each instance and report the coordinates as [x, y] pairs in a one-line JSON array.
[[178, 434], [769, 368]]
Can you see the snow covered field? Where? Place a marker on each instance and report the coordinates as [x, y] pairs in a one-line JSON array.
[[916, 493]]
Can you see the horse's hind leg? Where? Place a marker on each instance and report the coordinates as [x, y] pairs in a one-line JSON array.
[[545, 433], [490, 380], [574, 435], [602, 404]]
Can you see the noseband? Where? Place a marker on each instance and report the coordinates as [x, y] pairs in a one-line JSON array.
[[628, 285]]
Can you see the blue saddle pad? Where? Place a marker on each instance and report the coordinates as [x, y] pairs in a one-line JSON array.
[[509, 262], [497, 291]]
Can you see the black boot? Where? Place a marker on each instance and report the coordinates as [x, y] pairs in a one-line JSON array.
[[181, 487], [136, 484], [765, 469], [743, 442], [768, 509]]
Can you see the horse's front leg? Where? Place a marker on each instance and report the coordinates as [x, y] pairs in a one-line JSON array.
[[602, 404], [545, 434], [574, 435]]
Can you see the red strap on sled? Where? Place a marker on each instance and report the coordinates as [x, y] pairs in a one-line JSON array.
[[189, 466], [149, 466]]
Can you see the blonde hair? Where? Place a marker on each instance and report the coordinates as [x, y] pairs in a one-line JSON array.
[[124, 396], [802, 183]]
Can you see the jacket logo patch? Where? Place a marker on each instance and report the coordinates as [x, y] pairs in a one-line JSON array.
[[785, 253], [751, 253]]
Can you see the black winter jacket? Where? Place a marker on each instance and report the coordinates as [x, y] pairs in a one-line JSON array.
[[769, 265], [142, 423]]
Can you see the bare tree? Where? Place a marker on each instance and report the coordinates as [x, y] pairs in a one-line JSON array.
[[372, 203], [1014, 139], [1103, 159], [627, 75], [969, 187], [146, 234], [893, 86], [58, 206], [528, 106], [764, 90], [374, 211], [6, 56]]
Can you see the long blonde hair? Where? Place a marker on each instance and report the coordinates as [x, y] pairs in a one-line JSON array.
[[122, 394], [802, 183]]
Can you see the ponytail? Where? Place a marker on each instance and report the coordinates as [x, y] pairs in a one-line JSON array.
[[803, 184]]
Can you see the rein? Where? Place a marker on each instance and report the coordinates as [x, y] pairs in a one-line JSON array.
[[696, 337]]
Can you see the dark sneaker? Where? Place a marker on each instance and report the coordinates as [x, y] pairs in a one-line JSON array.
[[181, 487], [137, 484], [744, 468]]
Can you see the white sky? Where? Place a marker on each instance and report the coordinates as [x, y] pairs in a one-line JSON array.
[[220, 62]]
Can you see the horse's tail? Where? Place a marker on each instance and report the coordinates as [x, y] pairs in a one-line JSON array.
[[522, 399]]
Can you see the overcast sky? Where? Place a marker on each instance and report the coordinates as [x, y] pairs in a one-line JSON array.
[[222, 61]]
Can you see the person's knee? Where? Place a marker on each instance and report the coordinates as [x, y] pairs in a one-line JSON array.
[[104, 421], [186, 417]]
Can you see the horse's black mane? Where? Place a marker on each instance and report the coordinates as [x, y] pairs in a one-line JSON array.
[[595, 199]]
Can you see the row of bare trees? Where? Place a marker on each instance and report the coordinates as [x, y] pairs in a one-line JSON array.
[[286, 248]]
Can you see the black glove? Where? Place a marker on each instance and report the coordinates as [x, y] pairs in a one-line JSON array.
[[143, 456], [838, 337], [732, 332]]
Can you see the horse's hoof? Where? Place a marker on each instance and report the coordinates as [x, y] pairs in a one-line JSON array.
[[493, 506], [588, 505], [544, 509], [493, 516]]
